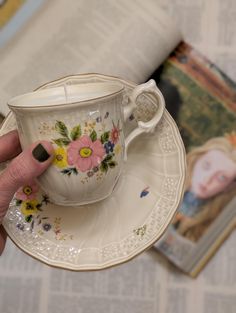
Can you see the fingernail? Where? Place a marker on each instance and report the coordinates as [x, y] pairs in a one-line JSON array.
[[40, 154]]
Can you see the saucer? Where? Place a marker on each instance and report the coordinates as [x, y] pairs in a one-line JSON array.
[[114, 230]]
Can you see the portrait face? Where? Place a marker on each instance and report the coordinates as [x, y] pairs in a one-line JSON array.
[[212, 173]]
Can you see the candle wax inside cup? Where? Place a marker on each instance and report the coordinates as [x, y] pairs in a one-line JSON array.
[[65, 94]]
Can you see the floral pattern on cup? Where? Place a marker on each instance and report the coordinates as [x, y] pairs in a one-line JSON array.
[[31, 203], [84, 151]]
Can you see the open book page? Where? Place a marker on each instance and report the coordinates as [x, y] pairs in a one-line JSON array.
[[121, 38], [202, 100]]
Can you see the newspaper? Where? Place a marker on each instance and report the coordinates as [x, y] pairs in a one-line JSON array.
[[148, 283], [145, 284]]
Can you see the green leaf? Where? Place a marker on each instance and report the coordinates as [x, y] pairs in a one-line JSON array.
[[74, 170], [76, 132], [32, 226], [45, 199], [28, 218], [104, 167], [66, 171], [18, 202], [93, 135], [105, 137], [62, 141], [112, 164], [61, 128], [108, 158], [69, 171]]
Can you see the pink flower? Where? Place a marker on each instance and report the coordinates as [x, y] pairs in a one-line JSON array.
[[27, 192], [85, 153], [115, 132]]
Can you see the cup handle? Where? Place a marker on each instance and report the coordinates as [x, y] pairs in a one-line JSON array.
[[143, 127]]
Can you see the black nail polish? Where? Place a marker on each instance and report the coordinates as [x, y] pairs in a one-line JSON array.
[[40, 154]]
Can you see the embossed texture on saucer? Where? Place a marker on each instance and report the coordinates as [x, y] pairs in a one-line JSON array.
[[112, 231]]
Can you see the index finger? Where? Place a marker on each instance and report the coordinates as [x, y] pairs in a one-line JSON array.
[[9, 146]]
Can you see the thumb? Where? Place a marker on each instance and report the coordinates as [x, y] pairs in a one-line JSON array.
[[28, 165]]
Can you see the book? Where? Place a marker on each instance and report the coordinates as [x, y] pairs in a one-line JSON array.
[[14, 15], [135, 41], [201, 98]]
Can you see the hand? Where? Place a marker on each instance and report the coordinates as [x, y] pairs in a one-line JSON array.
[[25, 166]]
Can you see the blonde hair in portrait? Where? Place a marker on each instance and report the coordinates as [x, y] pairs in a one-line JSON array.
[[195, 228]]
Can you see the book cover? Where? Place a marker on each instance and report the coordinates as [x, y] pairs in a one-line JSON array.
[[202, 100], [14, 14]]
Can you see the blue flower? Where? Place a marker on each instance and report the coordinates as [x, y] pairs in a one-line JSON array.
[[109, 146], [20, 227], [144, 192]]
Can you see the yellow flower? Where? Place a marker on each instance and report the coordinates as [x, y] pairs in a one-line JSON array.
[[29, 207], [60, 157], [117, 149]]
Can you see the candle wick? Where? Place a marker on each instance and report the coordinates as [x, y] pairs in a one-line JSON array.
[[66, 94]]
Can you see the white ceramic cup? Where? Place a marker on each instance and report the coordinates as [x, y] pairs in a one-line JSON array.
[[85, 124]]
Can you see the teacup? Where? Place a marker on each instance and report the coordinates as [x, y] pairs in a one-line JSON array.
[[85, 123]]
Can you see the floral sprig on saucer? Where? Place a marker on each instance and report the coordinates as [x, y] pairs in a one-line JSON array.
[[144, 192], [31, 203], [140, 231], [27, 199], [85, 153]]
